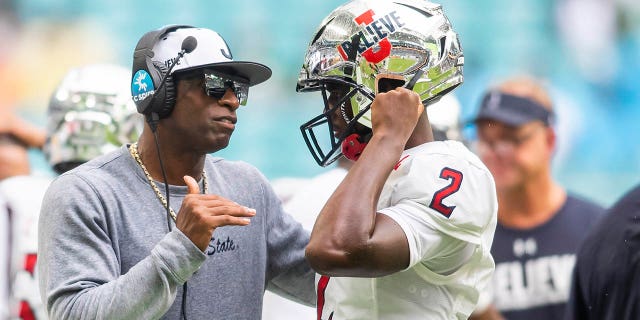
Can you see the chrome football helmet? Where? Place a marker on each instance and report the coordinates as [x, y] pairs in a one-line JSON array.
[[90, 113], [363, 41]]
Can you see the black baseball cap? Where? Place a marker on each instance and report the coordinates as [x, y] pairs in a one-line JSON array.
[[512, 110]]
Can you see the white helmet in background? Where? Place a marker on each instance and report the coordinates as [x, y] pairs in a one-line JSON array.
[[89, 114], [445, 118]]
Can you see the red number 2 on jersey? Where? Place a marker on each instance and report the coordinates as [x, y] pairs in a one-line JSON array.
[[456, 179]]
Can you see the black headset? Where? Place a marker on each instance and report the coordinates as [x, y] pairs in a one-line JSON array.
[[159, 104], [163, 100]]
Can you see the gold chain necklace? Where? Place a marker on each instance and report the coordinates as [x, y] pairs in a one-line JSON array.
[[133, 150]]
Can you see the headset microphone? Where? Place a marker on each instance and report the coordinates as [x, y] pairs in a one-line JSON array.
[[188, 45]]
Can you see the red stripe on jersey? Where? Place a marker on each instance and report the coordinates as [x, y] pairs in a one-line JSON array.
[[26, 313], [398, 164], [322, 286], [30, 262]]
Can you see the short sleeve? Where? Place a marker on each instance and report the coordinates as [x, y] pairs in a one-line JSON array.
[[442, 202]]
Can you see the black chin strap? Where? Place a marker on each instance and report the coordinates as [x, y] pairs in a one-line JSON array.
[[409, 85]]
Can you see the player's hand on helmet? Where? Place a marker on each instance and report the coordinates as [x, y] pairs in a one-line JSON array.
[[395, 113], [200, 214]]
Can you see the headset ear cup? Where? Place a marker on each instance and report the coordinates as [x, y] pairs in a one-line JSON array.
[[169, 99], [166, 97]]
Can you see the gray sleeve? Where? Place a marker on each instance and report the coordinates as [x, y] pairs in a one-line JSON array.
[[79, 271], [289, 273]]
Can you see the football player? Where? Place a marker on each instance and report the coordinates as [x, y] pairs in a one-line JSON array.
[[304, 198], [407, 233], [90, 113]]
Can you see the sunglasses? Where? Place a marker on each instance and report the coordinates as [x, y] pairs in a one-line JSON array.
[[216, 85]]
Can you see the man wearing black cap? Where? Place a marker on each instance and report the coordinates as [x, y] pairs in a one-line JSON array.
[[539, 225], [160, 228]]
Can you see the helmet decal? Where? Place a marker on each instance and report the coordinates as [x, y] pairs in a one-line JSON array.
[[374, 33]]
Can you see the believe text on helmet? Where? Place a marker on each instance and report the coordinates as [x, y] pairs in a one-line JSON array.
[[374, 32]]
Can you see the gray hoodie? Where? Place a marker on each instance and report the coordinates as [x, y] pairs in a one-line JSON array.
[[105, 250]]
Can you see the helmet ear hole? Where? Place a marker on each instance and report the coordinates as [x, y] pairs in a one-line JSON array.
[[385, 84]]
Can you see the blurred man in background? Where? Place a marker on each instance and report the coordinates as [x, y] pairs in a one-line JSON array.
[[17, 136], [23, 192], [539, 225], [90, 113], [20, 193]]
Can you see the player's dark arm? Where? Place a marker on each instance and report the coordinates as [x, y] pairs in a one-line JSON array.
[[349, 237]]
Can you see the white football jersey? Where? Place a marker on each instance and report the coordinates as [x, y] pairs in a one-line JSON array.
[[24, 195], [444, 199]]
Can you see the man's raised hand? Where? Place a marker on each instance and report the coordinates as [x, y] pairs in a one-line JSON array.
[[200, 214]]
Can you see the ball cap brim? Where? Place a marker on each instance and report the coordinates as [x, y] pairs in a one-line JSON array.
[[512, 110], [211, 52], [254, 72]]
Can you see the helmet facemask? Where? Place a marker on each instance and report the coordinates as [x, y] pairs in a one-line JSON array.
[[326, 151]]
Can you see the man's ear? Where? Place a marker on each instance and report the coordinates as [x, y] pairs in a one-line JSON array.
[[552, 139]]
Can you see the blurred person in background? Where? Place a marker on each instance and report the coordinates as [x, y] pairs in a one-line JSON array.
[[539, 225], [89, 113], [606, 278], [23, 192], [16, 138], [14, 156], [304, 198]]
